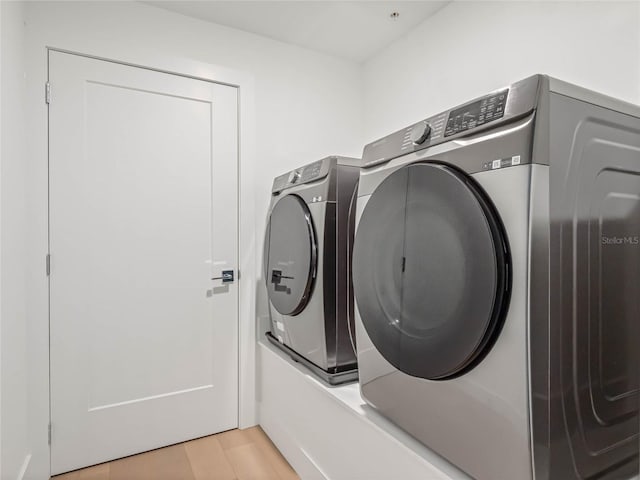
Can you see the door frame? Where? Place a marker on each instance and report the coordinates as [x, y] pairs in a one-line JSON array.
[[246, 266]]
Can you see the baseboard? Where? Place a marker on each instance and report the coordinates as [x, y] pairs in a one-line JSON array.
[[22, 474]]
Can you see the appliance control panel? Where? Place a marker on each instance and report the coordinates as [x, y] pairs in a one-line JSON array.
[[436, 129], [415, 137], [309, 173], [506, 104], [476, 113]]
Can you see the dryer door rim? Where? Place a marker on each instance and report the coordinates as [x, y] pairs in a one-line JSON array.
[[435, 309], [279, 279]]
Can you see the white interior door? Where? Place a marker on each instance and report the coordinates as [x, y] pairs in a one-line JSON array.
[[143, 214]]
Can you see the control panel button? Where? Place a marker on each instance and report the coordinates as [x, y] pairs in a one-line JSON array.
[[420, 132]]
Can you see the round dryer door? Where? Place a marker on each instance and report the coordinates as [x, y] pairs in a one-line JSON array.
[[290, 256], [431, 271]]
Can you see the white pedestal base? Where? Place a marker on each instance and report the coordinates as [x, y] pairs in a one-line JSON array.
[[331, 434]]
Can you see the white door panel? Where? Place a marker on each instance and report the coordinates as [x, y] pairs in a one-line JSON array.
[[143, 213]]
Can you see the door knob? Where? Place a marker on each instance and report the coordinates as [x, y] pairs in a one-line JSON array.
[[227, 276]]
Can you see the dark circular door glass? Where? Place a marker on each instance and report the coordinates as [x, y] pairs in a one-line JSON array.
[[291, 255], [431, 271]]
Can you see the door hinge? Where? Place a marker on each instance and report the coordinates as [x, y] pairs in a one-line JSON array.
[[48, 262], [49, 433], [47, 93]]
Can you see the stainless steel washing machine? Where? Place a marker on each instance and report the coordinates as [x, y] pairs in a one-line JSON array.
[[307, 257], [496, 270]]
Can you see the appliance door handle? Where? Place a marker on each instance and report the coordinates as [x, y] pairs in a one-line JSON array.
[[276, 276]]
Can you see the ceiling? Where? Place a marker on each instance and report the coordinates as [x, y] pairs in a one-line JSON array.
[[354, 30]]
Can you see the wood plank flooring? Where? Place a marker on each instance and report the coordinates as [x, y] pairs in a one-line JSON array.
[[234, 455]]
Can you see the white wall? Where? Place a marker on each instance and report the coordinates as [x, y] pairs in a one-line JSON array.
[[14, 444], [307, 105], [470, 48]]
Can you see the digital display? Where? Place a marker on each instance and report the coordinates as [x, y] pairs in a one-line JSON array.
[[311, 171], [477, 113]]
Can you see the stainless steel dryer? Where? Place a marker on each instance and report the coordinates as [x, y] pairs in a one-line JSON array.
[[307, 258], [496, 270]]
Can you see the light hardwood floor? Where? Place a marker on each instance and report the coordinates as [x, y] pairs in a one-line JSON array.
[[234, 455]]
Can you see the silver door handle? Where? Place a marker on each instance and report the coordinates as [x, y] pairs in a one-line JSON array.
[[227, 276]]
